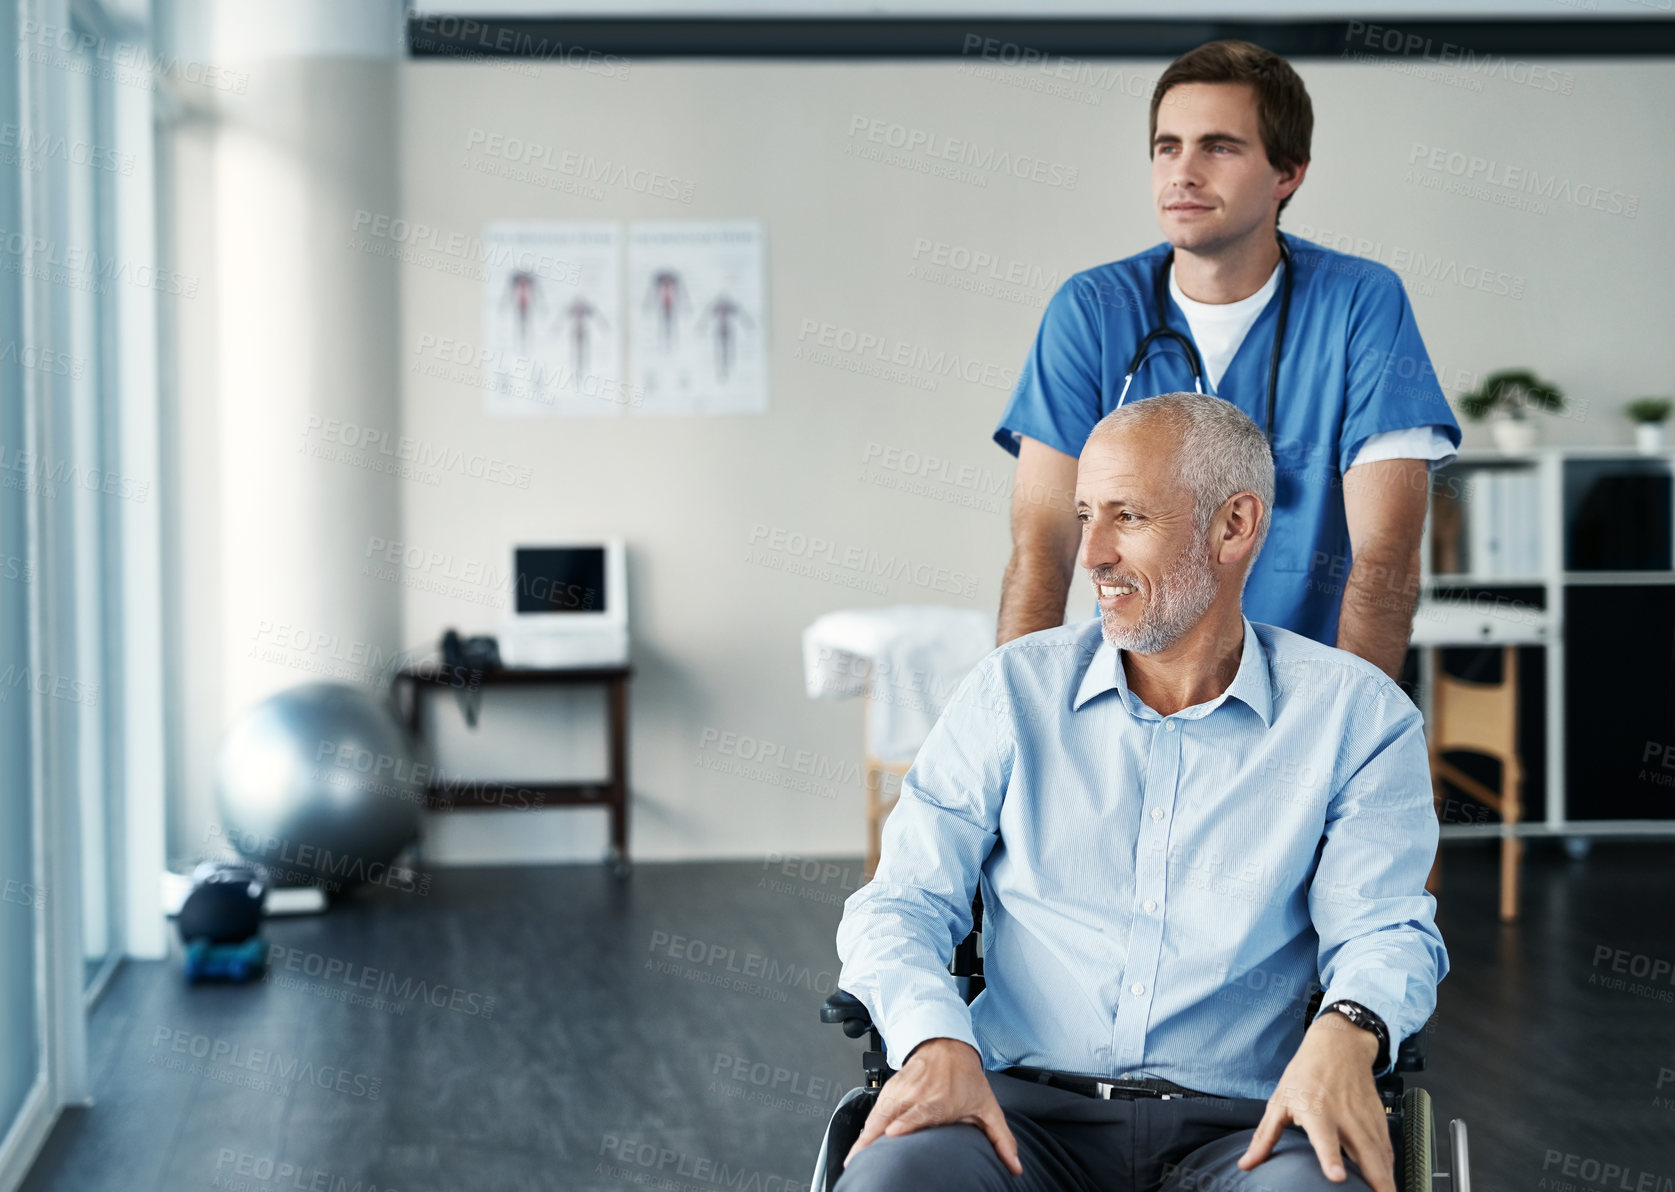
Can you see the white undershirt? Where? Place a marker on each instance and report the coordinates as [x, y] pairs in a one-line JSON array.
[[1218, 328]]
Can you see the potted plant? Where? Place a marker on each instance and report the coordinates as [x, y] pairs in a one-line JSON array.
[[1648, 415], [1509, 396]]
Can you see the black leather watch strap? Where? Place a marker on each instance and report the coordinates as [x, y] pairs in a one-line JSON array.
[[1367, 1021]]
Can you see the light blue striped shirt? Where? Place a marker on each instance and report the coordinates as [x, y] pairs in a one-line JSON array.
[[1161, 895]]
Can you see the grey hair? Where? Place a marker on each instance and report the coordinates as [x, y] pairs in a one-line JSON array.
[[1219, 451]]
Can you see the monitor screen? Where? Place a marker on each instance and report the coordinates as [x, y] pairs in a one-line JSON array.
[[561, 579]]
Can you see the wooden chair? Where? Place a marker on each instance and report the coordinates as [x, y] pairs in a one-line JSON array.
[[1481, 718]]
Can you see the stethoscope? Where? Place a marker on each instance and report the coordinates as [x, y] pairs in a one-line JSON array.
[[1164, 331]]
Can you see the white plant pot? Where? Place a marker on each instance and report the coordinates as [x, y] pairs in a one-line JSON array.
[[1648, 436], [1513, 434]]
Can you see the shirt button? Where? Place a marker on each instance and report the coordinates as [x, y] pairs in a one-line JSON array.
[[1157, 813], [1137, 989], [1168, 726], [1150, 905]]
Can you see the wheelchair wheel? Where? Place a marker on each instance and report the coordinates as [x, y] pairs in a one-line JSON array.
[[1419, 1144], [845, 1126]]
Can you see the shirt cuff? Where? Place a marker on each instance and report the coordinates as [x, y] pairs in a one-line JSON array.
[[1428, 443], [1011, 438], [907, 1030]]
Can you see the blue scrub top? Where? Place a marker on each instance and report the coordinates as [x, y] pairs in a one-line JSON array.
[[1352, 366]]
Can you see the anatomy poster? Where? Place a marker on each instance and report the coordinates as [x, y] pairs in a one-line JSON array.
[[697, 304], [552, 321]]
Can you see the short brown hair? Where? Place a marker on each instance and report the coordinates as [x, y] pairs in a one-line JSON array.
[[1284, 116]]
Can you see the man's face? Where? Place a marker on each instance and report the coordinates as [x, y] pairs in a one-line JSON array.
[[1211, 181], [1149, 565]]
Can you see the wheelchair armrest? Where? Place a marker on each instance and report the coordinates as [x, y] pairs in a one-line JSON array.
[[849, 1010]]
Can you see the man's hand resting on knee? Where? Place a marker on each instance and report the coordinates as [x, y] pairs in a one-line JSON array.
[[1328, 1090], [941, 1082]]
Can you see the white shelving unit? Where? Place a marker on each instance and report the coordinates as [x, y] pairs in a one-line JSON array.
[[1484, 621]]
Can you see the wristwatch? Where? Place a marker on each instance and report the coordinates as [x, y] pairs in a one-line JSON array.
[[1367, 1021]]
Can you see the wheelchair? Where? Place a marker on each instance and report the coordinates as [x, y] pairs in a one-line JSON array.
[[1408, 1112]]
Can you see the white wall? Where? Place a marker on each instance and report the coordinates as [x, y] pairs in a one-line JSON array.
[[716, 638]]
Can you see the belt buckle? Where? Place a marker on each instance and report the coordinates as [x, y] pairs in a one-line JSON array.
[[1108, 1089]]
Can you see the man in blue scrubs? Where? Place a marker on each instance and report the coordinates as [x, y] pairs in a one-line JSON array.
[[1358, 416]]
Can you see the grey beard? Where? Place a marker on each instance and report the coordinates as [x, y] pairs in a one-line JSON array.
[[1181, 599]]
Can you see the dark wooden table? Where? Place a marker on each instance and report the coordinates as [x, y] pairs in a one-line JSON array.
[[611, 792]]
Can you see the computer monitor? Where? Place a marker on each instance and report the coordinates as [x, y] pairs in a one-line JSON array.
[[569, 604]]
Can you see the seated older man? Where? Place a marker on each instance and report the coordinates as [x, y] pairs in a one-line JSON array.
[[1183, 823]]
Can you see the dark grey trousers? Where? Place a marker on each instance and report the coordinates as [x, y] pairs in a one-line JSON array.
[[1071, 1143]]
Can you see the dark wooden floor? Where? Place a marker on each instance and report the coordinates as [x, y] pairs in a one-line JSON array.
[[594, 1068]]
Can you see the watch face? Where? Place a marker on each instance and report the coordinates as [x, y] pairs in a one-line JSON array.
[[1367, 1021], [1361, 1018]]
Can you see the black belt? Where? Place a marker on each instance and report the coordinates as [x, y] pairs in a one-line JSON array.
[[1094, 1086]]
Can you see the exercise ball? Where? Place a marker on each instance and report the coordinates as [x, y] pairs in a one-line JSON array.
[[322, 784]]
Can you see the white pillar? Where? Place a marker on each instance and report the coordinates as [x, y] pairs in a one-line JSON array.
[[294, 340]]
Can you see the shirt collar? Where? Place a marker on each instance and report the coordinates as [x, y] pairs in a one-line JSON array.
[[1252, 685]]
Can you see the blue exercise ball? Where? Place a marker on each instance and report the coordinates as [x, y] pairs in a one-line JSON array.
[[322, 784]]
